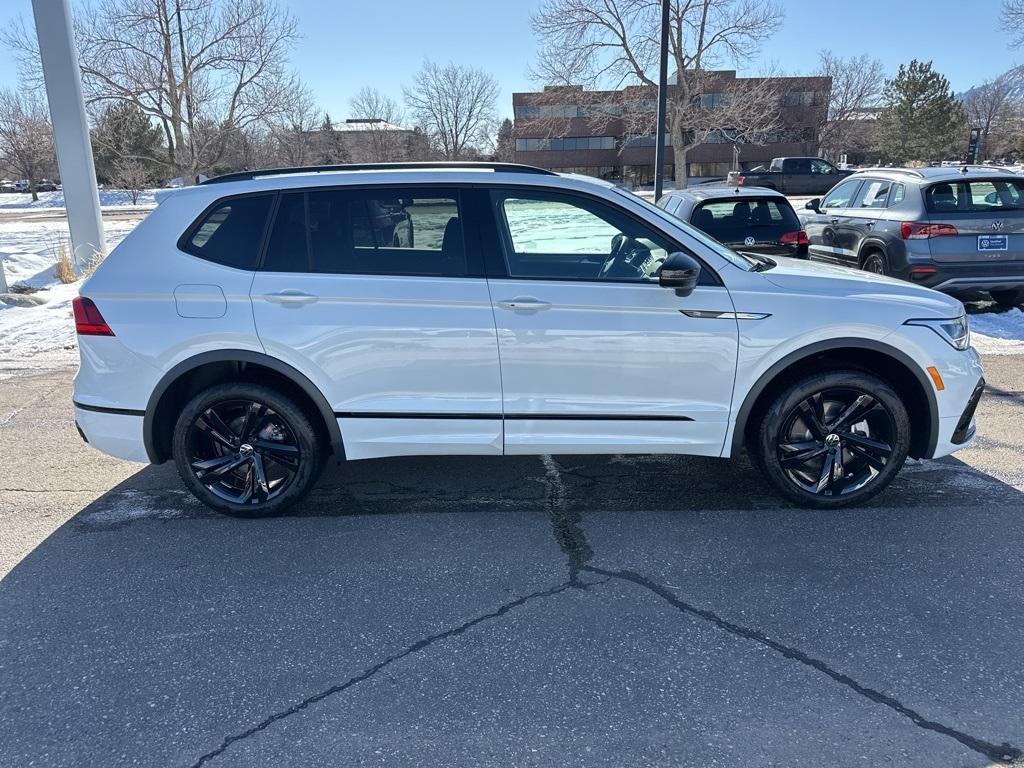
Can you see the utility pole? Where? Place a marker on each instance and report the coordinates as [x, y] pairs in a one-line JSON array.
[[70, 128], [659, 134]]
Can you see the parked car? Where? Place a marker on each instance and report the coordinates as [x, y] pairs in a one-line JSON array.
[[7, 186], [793, 176], [45, 185], [958, 230], [246, 330], [751, 219]]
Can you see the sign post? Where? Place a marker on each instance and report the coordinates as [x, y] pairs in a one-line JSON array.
[[659, 133]]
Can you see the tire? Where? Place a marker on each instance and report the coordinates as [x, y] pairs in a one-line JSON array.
[[804, 435], [1010, 298], [238, 431], [875, 262]]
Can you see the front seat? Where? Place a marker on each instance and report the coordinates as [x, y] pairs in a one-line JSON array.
[[703, 220]]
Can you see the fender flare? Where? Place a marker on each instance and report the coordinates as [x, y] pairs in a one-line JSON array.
[[743, 414], [872, 243], [238, 356]]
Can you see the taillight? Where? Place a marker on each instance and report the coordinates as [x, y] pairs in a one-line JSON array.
[[741, 179], [920, 273], [915, 230], [88, 320], [793, 238]]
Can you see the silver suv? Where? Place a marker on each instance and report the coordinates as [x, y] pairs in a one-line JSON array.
[[958, 230]]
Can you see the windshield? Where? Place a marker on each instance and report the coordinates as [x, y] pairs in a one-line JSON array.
[[737, 259]]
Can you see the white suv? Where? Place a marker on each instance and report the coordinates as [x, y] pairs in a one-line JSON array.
[[258, 323]]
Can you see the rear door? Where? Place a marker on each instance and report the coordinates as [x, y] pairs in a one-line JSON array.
[[378, 295], [595, 355], [978, 220]]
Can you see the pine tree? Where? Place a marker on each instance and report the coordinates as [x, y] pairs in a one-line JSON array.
[[123, 134], [505, 149], [921, 120], [332, 145]]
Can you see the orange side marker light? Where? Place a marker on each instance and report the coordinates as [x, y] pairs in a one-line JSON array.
[[936, 378]]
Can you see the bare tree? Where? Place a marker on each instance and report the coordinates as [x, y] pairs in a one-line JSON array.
[[295, 130], [204, 69], [1012, 16], [132, 176], [382, 114], [857, 84], [26, 137], [454, 106], [992, 108], [612, 43]]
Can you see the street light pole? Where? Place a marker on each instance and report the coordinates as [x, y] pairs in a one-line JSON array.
[[70, 128], [659, 134]]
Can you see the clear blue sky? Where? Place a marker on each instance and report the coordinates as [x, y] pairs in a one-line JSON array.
[[350, 43]]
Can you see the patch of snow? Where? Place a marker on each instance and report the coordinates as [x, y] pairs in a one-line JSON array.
[[998, 333], [108, 198], [43, 336]]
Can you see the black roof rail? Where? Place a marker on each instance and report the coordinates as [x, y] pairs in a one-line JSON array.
[[437, 165], [880, 169]]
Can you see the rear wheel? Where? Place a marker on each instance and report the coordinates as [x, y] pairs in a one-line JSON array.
[[833, 439], [1008, 298], [246, 450], [876, 263]]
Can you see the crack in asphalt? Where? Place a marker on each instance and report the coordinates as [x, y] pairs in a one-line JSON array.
[[416, 647], [571, 536]]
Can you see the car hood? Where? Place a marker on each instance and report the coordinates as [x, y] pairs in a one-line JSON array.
[[829, 280]]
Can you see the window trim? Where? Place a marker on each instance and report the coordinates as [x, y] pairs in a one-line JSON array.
[[498, 268], [470, 229], [185, 246]]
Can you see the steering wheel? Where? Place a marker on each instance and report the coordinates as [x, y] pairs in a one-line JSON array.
[[626, 259]]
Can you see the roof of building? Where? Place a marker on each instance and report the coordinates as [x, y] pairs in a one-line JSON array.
[[367, 124]]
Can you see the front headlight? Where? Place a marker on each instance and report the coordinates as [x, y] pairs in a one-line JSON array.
[[956, 332]]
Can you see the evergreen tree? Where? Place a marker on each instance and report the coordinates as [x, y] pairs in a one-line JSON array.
[[332, 144], [921, 120], [505, 148], [124, 133]]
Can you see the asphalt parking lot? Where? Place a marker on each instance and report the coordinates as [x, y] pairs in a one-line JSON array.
[[565, 611]]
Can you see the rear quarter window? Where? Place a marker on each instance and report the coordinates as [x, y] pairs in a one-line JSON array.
[[230, 232]]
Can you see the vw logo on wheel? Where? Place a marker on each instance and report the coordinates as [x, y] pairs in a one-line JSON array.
[[997, 225], [749, 241]]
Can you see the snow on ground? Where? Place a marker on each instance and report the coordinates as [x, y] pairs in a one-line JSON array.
[[998, 333], [43, 336], [108, 198]]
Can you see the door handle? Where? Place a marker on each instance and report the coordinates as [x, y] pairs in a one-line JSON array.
[[524, 304], [835, 219], [290, 298], [869, 224]]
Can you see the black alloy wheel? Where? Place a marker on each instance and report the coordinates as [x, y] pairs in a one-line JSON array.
[[246, 450], [874, 262], [834, 439]]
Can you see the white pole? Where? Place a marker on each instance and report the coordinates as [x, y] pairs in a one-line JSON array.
[[70, 128], [3, 277]]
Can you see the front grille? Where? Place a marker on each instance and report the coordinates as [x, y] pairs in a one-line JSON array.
[[964, 431]]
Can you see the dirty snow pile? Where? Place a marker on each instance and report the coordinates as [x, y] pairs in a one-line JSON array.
[[42, 336], [998, 333]]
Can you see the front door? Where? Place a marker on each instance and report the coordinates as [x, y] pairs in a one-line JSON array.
[[596, 357], [378, 296], [825, 228]]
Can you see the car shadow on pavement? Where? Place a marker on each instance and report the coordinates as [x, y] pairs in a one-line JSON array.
[[147, 630]]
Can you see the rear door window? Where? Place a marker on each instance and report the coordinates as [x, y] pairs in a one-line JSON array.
[[872, 194], [975, 196], [373, 232], [231, 232], [732, 221]]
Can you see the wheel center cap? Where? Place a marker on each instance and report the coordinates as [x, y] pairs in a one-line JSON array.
[[832, 440], [244, 449]]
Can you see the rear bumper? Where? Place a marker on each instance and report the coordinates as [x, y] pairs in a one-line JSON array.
[[977, 277], [115, 432]]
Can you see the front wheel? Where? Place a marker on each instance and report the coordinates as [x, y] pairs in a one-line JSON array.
[[833, 439], [246, 450]]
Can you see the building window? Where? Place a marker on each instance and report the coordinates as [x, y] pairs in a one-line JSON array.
[[566, 144], [645, 141], [708, 170], [712, 100], [800, 99]]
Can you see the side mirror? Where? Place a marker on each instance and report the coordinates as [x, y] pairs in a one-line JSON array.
[[813, 205], [681, 272]]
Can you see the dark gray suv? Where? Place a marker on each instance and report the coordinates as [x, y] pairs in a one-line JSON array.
[[958, 230]]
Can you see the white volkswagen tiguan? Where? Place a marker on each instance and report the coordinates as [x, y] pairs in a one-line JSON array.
[[257, 324]]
